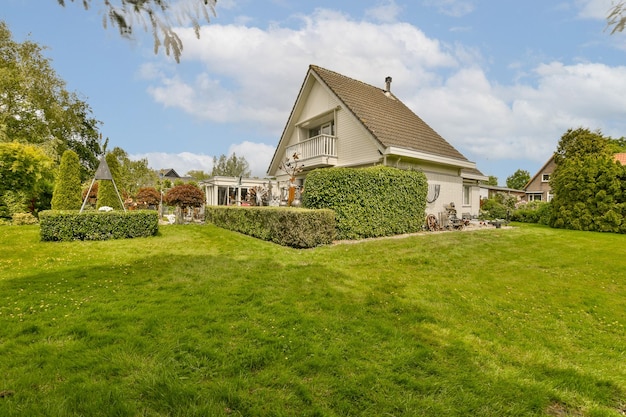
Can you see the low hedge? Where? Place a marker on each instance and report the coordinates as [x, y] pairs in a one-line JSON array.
[[369, 202], [294, 227], [95, 225]]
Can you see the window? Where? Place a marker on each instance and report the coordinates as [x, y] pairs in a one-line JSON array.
[[534, 197], [466, 195], [545, 177], [324, 129]]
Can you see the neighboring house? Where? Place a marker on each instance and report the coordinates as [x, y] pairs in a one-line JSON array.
[[230, 191], [172, 175], [538, 188], [337, 121]]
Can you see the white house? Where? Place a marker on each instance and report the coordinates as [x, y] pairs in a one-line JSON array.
[[337, 121]]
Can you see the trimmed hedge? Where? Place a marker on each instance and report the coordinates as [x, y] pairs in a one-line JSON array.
[[96, 225], [294, 227], [369, 202]]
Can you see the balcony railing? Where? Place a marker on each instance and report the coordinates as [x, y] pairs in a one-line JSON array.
[[322, 145]]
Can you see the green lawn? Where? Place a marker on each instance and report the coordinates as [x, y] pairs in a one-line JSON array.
[[199, 321]]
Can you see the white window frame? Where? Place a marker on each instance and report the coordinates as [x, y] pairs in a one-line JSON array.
[[467, 195], [545, 177]]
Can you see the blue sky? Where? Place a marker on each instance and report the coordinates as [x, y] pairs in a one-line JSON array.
[[501, 80]]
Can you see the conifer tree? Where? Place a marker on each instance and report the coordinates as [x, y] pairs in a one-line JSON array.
[[67, 188]]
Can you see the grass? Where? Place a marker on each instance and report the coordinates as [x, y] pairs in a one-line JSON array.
[[199, 321]]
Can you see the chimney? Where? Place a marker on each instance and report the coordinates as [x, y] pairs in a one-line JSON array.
[[388, 84]]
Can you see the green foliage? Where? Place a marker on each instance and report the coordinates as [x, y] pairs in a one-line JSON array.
[[589, 186], [533, 212], [21, 219], [493, 180], [198, 175], [132, 174], [491, 209], [369, 202], [107, 194], [23, 167], [298, 228], [36, 108], [95, 225], [67, 193], [518, 179], [232, 166]]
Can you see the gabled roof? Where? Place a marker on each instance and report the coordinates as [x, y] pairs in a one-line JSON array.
[[541, 171], [169, 172], [389, 121]]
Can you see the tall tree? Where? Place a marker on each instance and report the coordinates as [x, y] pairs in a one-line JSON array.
[[37, 108], [518, 179], [67, 193], [133, 174], [159, 15], [26, 172], [232, 166], [199, 175], [589, 186]]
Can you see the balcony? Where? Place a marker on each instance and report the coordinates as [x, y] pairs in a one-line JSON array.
[[316, 152]]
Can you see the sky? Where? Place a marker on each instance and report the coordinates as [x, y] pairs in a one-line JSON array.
[[501, 80]]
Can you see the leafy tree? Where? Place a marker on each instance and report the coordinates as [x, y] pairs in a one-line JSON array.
[[67, 193], [518, 179], [37, 108], [184, 195], [26, 176], [589, 186], [199, 175], [160, 15], [148, 196], [133, 174], [493, 180], [232, 166], [107, 193]]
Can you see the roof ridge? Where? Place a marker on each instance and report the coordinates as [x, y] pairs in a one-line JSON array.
[[317, 67]]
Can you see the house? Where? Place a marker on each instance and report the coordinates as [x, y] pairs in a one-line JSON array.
[[171, 175], [538, 188], [337, 121]]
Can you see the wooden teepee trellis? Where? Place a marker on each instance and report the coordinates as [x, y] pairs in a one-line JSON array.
[[103, 173]]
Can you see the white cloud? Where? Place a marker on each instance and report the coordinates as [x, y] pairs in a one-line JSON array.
[[594, 9], [258, 156], [181, 162], [252, 76]]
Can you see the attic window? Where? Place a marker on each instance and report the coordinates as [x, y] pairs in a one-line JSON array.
[[545, 177]]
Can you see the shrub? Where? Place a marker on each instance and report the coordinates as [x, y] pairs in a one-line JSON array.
[[491, 209], [298, 228], [369, 202], [67, 187], [533, 212], [23, 219], [95, 225], [148, 196]]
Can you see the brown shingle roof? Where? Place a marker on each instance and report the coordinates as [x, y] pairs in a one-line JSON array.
[[386, 117]]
